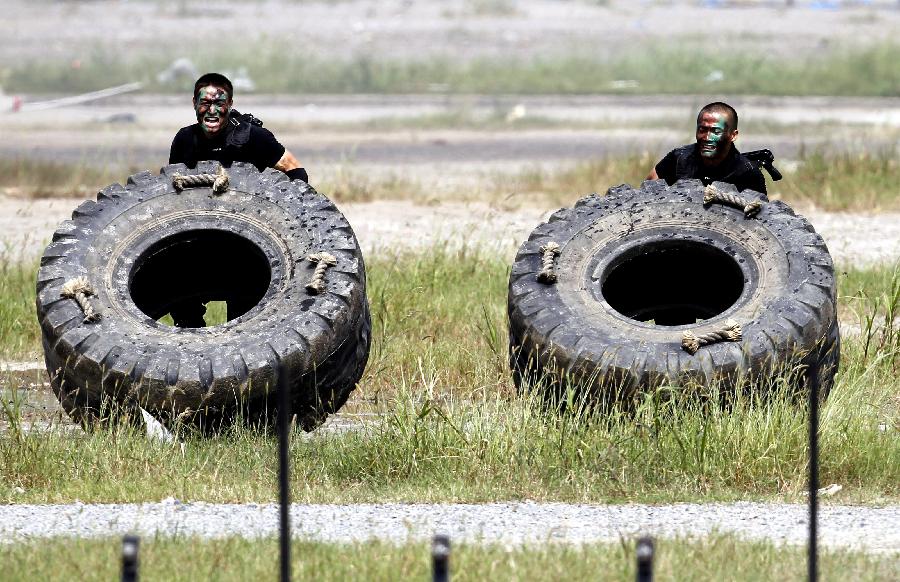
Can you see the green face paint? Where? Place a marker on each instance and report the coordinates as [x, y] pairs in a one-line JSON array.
[[713, 135], [212, 105]]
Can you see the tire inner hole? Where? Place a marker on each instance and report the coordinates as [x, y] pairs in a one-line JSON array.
[[673, 282], [190, 275]]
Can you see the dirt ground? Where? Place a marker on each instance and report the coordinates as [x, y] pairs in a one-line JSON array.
[[853, 239], [462, 29]]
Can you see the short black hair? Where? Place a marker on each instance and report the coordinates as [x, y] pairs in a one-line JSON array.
[[720, 107], [217, 79]]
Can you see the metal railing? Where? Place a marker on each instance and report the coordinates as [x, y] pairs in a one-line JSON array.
[[440, 546]]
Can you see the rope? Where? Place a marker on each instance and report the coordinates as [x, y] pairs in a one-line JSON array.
[[316, 285], [713, 194], [80, 289], [547, 275], [730, 333], [218, 181]]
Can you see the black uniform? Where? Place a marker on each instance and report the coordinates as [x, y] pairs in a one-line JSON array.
[[239, 141], [685, 162], [243, 142]]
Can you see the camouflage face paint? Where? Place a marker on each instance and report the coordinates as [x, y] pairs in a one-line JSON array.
[[713, 135], [212, 105]]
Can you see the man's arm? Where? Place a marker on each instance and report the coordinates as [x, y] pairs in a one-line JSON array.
[[290, 166], [287, 162], [665, 166], [756, 181], [177, 151]]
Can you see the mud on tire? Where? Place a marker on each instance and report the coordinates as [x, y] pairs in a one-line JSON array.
[[638, 267], [144, 247]]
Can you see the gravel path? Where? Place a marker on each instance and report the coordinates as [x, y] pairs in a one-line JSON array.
[[868, 528]]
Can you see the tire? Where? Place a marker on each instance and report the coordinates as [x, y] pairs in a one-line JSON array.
[[638, 267], [145, 248]]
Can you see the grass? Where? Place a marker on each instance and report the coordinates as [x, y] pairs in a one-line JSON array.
[[717, 558], [834, 182], [35, 178], [452, 429], [862, 181], [677, 66]]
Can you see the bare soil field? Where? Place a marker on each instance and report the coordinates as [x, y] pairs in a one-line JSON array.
[[464, 29], [853, 239]]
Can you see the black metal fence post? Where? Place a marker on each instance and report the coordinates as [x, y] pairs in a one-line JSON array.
[[284, 428], [813, 557], [644, 552], [130, 546], [440, 558]]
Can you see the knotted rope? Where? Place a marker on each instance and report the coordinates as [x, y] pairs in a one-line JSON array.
[[218, 181], [730, 333], [80, 289], [316, 285], [550, 251], [713, 194]]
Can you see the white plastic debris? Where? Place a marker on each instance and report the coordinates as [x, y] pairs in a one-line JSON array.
[[517, 112], [155, 430]]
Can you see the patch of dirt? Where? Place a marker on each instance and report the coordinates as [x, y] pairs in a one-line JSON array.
[[853, 239], [460, 29]]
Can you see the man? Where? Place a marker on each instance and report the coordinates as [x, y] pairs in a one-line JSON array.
[[713, 158], [224, 135]]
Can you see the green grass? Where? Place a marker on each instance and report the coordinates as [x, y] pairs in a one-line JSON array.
[[453, 429], [677, 66], [717, 558], [39, 178], [834, 182], [863, 181]]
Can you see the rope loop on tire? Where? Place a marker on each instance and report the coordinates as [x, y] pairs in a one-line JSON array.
[[80, 289], [322, 261], [730, 333], [750, 207], [218, 181], [550, 251]]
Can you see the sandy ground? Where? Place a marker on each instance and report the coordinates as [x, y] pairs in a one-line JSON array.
[[853, 239], [326, 131], [463, 29]]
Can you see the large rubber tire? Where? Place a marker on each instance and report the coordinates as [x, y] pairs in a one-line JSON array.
[[145, 247], [638, 267]]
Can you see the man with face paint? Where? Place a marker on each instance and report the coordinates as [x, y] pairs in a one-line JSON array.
[[714, 158], [224, 135]]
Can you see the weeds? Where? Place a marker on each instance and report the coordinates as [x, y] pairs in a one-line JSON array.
[[863, 181], [40, 179], [449, 425], [718, 557], [834, 182], [675, 66]]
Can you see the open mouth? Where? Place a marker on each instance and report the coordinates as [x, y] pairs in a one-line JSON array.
[[212, 123]]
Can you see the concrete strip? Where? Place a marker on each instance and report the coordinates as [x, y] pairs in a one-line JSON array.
[[517, 523]]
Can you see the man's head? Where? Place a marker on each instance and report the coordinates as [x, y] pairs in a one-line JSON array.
[[212, 102], [717, 128]]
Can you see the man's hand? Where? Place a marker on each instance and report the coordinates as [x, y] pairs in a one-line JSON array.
[[652, 175]]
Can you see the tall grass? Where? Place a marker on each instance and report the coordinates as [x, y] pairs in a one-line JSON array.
[[719, 557], [679, 65], [40, 178], [450, 426], [834, 182], [850, 181]]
